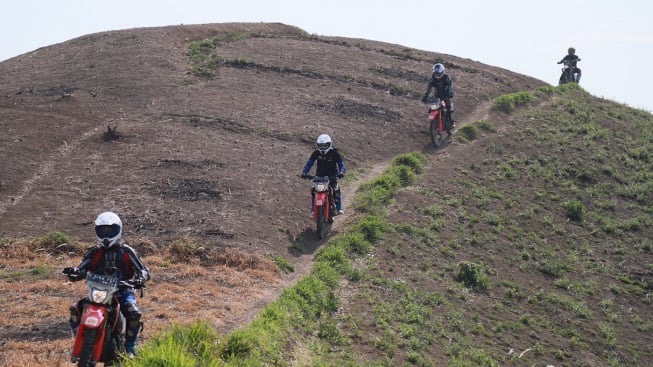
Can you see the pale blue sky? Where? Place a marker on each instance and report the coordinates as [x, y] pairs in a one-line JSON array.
[[614, 39]]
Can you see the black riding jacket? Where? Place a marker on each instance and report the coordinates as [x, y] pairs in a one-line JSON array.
[[573, 59], [329, 164], [443, 87]]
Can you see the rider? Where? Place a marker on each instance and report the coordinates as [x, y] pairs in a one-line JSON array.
[[573, 59], [441, 84], [109, 256], [329, 163]]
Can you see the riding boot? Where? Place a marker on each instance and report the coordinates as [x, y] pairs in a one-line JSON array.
[[74, 318], [452, 123], [338, 199]]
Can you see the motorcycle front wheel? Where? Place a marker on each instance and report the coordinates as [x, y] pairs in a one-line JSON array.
[[321, 223], [86, 353], [566, 78], [436, 135]]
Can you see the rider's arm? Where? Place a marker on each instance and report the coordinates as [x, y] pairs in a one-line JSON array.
[[340, 162], [140, 270], [449, 87], [86, 260], [309, 163], [428, 90]]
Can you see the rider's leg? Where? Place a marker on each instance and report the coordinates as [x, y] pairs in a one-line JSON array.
[[337, 196], [449, 105], [578, 73], [133, 316], [75, 316]]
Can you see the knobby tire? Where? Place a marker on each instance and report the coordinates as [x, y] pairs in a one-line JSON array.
[[86, 353], [436, 136], [321, 224]]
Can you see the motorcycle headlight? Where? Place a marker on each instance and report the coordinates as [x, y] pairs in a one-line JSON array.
[[99, 295], [321, 187]]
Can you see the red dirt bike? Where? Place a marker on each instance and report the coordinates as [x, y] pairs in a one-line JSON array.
[[438, 121], [324, 207], [100, 336]]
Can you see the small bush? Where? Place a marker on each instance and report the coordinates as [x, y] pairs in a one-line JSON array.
[[238, 346], [472, 276], [574, 210], [508, 102]]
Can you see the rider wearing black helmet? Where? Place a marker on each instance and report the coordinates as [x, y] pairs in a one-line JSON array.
[[441, 83], [572, 59]]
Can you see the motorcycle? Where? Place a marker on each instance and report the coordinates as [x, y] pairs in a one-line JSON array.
[[324, 207], [438, 121], [100, 336], [568, 73]]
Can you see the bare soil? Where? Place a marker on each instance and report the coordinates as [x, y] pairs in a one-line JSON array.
[[117, 121]]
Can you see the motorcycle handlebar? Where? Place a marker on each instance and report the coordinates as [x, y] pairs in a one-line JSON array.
[[310, 177], [135, 283], [75, 275]]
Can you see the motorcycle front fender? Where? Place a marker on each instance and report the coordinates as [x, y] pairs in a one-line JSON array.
[[321, 200], [433, 115], [93, 317]]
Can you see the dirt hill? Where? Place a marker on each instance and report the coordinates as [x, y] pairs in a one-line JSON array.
[[199, 149]]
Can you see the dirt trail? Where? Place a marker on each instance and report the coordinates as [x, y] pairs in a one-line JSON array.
[[304, 262]]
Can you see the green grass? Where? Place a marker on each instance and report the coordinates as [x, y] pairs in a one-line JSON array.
[[532, 254]]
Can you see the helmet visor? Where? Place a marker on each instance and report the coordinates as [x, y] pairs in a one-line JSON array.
[[107, 231], [323, 146]]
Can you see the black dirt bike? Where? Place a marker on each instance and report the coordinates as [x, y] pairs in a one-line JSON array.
[[568, 73]]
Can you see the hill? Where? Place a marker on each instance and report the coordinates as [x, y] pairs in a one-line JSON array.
[[195, 136]]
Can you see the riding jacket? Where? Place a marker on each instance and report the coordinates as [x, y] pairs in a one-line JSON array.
[[329, 164], [443, 87]]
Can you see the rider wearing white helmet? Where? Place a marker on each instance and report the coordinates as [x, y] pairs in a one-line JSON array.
[[329, 163], [111, 256]]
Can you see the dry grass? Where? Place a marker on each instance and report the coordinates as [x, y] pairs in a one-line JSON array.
[[187, 284]]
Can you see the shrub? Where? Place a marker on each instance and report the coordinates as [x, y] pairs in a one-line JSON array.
[[472, 275], [508, 102], [574, 210]]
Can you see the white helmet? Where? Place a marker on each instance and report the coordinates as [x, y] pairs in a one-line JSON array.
[[108, 228], [324, 143]]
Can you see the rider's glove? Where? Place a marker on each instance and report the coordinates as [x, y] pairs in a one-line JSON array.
[[341, 175], [73, 274], [424, 99], [303, 175], [139, 283]]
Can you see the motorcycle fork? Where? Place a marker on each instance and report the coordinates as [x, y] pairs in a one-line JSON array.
[[436, 115]]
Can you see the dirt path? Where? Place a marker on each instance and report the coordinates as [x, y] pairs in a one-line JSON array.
[[305, 261]]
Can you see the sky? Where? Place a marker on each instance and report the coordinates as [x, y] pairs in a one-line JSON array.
[[614, 39]]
